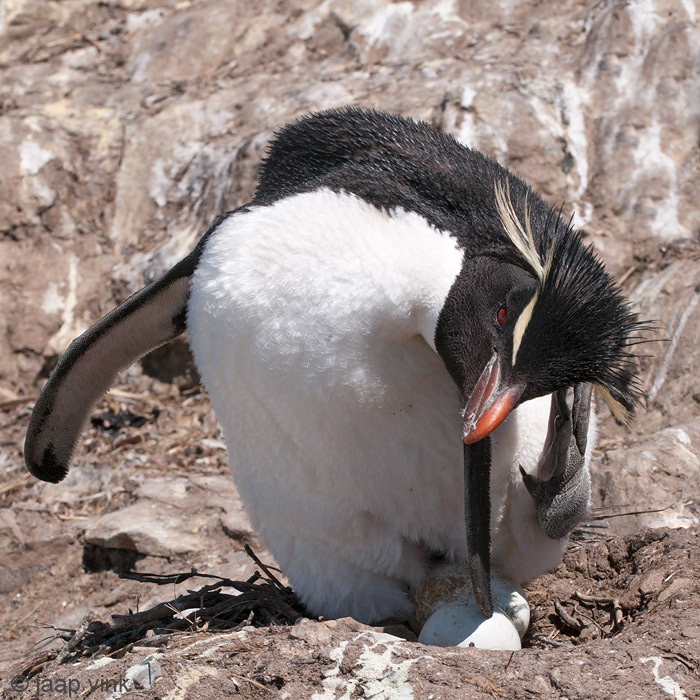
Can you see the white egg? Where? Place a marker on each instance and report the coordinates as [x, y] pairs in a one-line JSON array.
[[447, 614], [459, 624]]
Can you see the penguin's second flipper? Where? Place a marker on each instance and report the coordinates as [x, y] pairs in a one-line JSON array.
[[562, 489], [147, 319]]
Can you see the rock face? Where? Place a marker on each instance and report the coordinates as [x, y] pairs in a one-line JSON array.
[[125, 128]]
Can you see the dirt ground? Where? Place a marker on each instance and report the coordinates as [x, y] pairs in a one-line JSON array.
[[613, 601]]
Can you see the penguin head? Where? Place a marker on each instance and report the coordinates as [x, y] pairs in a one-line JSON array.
[[533, 315]]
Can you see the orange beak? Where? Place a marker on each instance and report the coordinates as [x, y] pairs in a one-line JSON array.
[[490, 403]]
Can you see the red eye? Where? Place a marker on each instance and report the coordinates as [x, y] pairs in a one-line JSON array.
[[501, 316]]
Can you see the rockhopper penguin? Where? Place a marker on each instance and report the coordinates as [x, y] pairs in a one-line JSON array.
[[395, 333]]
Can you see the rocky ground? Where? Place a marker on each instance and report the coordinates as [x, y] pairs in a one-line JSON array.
[[126, 127]]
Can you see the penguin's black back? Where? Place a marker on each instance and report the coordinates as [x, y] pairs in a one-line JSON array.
[[393, 162]]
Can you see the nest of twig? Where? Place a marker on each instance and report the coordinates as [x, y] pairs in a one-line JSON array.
[[225, 604]]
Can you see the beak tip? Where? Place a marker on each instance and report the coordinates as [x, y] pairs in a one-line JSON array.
[[468, 430], [492, 417]]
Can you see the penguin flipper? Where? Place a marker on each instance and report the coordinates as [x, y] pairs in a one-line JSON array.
[[147, 319]]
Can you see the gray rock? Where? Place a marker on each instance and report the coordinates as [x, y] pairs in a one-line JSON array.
[[147, 528], [155, 526], [656, 477]]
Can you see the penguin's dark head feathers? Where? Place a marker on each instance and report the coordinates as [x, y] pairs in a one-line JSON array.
[[580, 329], [479, 317], [577, 326], [547, 312]]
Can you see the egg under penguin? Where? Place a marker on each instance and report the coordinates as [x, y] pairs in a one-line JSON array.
[[395, 334]]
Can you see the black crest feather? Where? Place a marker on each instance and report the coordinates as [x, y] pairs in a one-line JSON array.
[[589, 323]]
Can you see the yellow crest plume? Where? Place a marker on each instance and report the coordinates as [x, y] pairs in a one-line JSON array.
[[522, 238]]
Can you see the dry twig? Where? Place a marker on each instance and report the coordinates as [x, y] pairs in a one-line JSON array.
[[261, 600]]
